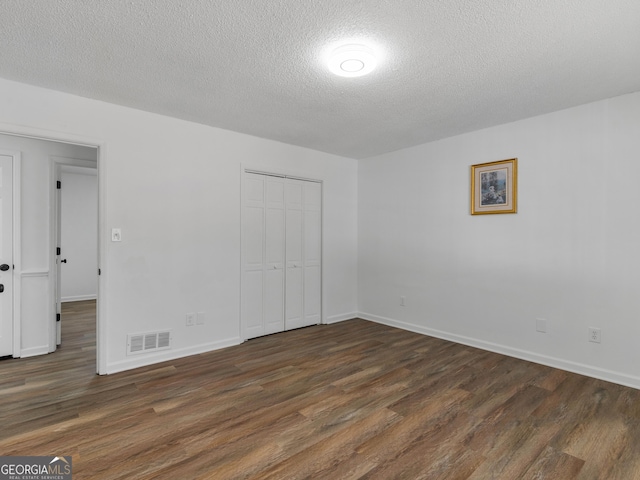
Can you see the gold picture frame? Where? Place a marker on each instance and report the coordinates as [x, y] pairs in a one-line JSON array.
[[494, 187]]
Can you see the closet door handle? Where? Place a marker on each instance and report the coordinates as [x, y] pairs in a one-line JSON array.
[[1, 288]]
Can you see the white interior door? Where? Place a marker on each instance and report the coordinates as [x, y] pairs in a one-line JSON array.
[[304, 247], [274, 255], [263, 224], [6, 255], [295, 258], [281, 254], [312, 247], [253, 213]]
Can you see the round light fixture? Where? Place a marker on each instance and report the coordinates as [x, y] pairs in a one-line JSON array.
[[352, 60]]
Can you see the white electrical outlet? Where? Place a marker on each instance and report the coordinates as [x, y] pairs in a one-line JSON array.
[[595, 335], [200, 318], [402, 301], [191, 319], [541, 325]]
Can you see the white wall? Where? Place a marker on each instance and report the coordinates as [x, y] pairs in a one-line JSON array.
[[79, 235], [33, 267], [173, 187], [570, 255]]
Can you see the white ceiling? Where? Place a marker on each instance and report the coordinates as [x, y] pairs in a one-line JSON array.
[[256, 66]]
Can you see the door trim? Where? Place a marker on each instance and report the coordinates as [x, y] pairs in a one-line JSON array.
[[281, 175], [101, 146]]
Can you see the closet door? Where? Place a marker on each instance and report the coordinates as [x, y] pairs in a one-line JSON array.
[[274, 256], [303, 253], [281, 254], [312, 248], [262, 305], [294, 304]]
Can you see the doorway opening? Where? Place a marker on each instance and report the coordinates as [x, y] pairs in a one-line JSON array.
[[75, 223], [43, 287]]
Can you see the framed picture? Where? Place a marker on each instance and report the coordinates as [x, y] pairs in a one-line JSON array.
[[494, 187]]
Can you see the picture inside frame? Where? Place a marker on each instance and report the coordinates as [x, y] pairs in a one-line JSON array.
[[493, 187]]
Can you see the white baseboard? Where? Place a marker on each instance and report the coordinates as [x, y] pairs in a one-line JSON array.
[[562, 364], [34, 351], [78, 298], [341, 318], [167, 355]]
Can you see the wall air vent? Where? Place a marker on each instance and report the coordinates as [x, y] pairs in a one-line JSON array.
[[148, 342], [164, 340]]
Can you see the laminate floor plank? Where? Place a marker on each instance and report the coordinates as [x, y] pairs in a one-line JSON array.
[[352, 400], [553, 464]]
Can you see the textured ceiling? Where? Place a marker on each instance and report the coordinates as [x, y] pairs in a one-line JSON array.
[[256, 66]]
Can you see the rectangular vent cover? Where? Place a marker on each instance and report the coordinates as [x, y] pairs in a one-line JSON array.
[[148, 342]]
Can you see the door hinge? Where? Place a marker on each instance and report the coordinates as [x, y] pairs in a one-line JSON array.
[[99, 272], [58, 251], [57, 317], [58, 184]]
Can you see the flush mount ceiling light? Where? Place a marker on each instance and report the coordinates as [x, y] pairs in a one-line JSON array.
[[352, 60]]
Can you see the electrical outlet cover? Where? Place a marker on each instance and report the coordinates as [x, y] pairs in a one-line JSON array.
[[595, 335]]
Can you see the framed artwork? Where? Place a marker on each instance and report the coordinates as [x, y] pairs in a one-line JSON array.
[[494, 187]]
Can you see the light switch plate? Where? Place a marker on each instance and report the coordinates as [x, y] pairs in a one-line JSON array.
[[116, 235]]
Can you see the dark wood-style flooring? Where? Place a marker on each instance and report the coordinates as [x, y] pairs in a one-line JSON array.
[[344, 401]]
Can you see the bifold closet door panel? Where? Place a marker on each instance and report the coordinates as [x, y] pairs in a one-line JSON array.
[[312, 247], [263, 224], [274, 256], [294, 279], [253, 224]]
